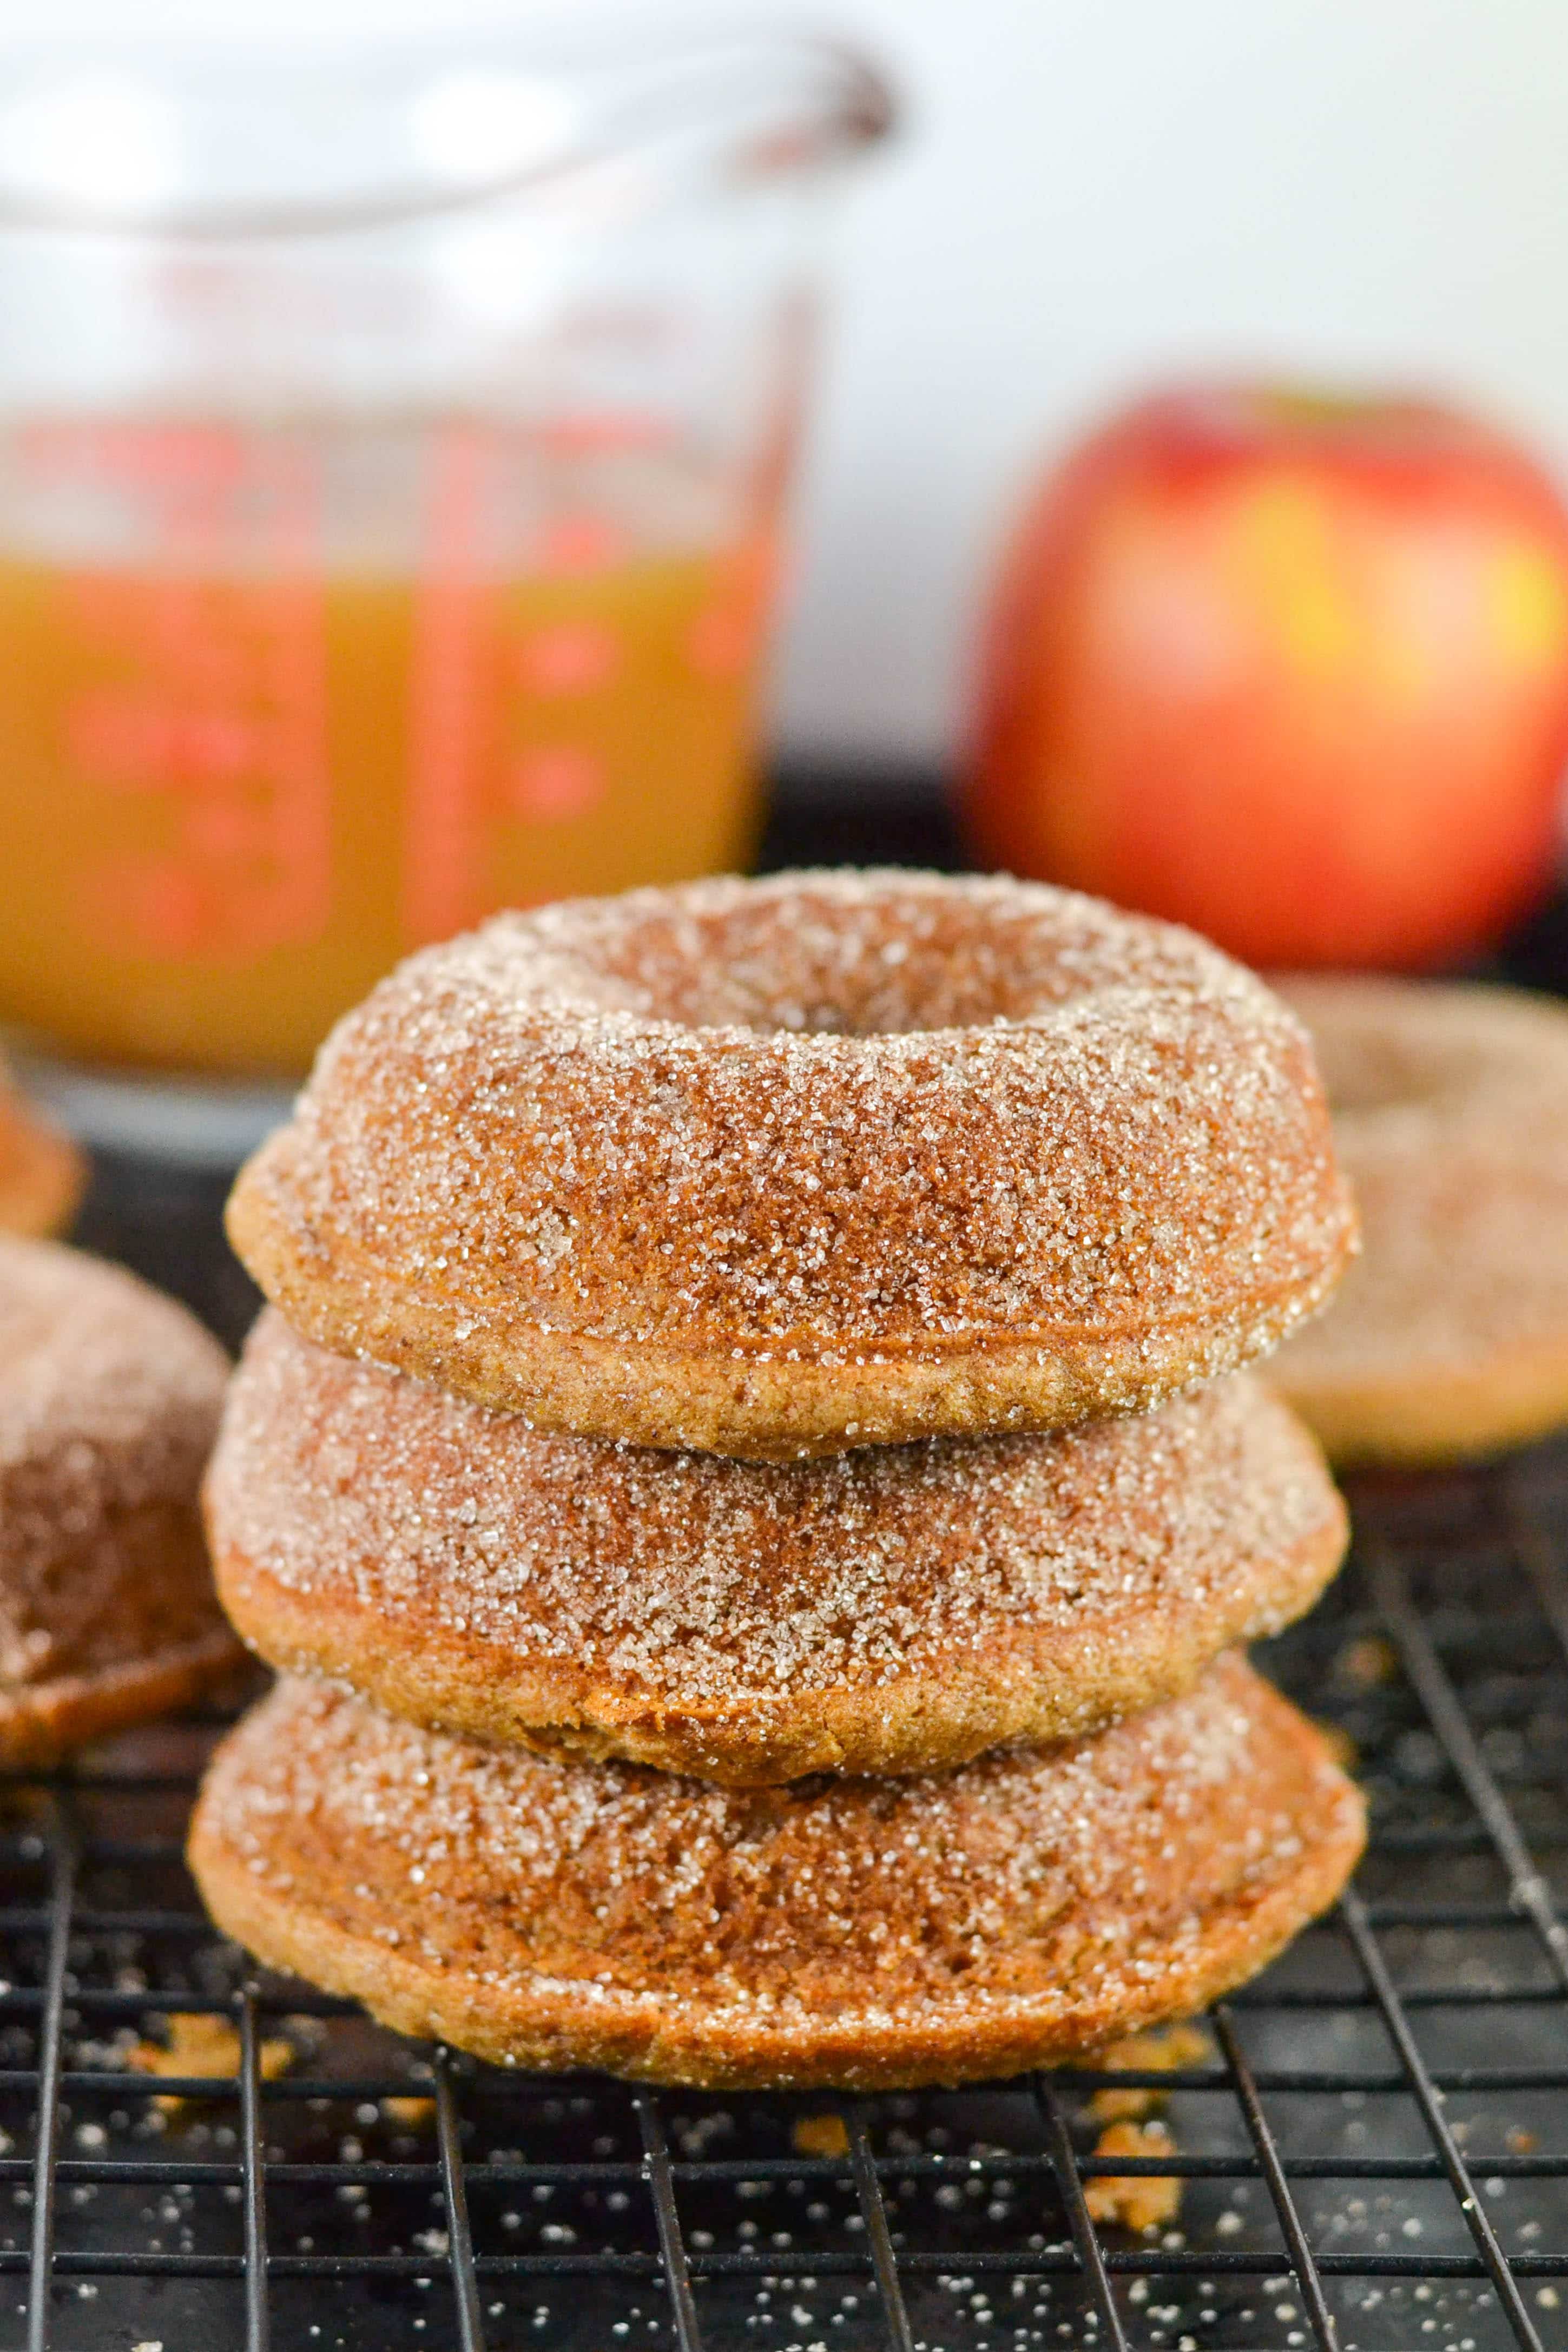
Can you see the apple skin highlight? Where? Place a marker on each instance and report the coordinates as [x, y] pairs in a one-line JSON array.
[[1291, 668]]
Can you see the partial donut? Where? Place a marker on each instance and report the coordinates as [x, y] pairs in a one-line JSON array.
[[775, 1168], [1020, 1912], [110, 1397], [1450, 1337], [42, 1173], [892, 1609]]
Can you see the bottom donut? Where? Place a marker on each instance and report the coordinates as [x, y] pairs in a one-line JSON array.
[[1021, 1911]]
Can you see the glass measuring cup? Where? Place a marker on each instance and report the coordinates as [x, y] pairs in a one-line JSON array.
[[393, 448]]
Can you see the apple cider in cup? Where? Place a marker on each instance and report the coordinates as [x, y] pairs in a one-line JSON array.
[[248, 761], [394, 434]]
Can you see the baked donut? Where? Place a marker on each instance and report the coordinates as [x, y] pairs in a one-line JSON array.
[[775, 1168], [890, 1610], [42, 1173], [1451, 1115], [1020, 1912], [110, 1397]]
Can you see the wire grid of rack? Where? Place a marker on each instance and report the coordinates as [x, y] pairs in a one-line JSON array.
[[1374, 2155]]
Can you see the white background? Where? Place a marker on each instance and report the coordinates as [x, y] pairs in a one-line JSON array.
[[1091, 192]]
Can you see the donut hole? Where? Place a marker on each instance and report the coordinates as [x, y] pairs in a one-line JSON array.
[[839, 961]]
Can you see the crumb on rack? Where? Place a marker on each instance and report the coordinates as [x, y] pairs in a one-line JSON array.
[[413, 2114], [1163, 2051], [820, 2136], [201, 2044], [1149, 2201]]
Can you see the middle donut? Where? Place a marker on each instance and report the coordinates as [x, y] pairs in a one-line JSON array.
[[894, 1610]]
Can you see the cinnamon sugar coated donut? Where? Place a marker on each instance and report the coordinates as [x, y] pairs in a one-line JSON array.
[[1020, 1912], [110, 1397], [42, 1173], [890, 1610], [776, 1168], [1451, 1115]]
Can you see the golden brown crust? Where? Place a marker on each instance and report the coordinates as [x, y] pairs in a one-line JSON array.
[[775, 1168], [110, 1397], [892, 1609], [42, 1722], [1435, 1414], [42, 1173], [1021, 1912], [725, 1401], [1450, 1339]]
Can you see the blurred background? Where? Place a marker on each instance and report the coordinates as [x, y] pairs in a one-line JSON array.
[[1088, 196], [1083, 197]]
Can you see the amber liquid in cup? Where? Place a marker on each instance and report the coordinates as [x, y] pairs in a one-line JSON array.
[[392, 454], [242, 776]]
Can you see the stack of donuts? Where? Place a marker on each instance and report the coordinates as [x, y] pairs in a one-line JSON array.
[[749, 1480]]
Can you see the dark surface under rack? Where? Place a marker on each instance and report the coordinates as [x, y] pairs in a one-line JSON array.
[[1374, 2154]]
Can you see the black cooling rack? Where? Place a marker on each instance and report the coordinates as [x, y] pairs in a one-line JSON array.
[[1373, 2155]]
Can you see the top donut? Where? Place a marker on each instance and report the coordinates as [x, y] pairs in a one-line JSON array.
[[779, 1168]]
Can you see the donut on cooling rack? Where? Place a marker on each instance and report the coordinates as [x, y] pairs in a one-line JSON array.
[[889, 1610], [110, 1397], [1021, 1911], [772, 1169], [1450, 1337], [42, 1175]]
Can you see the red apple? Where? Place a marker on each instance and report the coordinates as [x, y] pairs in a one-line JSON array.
[[1291, 669]]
